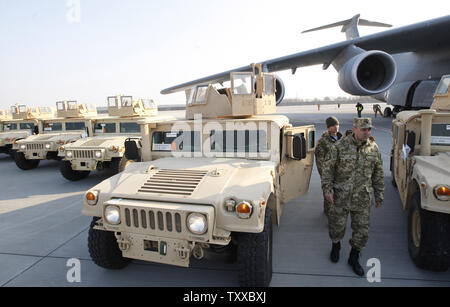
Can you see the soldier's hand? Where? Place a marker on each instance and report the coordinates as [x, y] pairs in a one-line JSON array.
[[378, 205], [330, 198]]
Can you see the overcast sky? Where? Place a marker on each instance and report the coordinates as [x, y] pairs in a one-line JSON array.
[[89, 49]]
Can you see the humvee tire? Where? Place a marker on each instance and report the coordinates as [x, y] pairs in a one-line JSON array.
[[104, 250], [23, 163], [428, 237], [70, 174], [254, 254], [119, 164]]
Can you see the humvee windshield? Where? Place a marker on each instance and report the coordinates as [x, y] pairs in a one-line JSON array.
[[9, 127], [26, 126], [129, 128], [105, 128], [239, 141], [75, 126], [176, 141], [53, 126], [440, 134]]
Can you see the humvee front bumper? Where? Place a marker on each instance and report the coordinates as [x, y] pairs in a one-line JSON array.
[[86, 159], [84, 165], [158, 231]]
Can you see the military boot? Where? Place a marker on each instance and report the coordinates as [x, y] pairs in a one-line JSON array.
[[334, 255], [353, 261]]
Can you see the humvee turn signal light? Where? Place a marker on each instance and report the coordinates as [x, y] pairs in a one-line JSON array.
[[442, 192], [91, 198], [244, 210]]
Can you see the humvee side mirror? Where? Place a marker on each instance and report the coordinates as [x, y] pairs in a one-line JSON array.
[[132, 150], [298, 150]]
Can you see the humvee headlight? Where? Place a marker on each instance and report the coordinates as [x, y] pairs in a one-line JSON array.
[[92, 197], [113, 148], [23, 147], [442, 192], [98, 154], [244, 210], [196, 223], [48, 146], [69, 154], [112, 215]]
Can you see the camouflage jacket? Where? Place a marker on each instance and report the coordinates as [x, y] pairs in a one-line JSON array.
[[353, 171], [323, 148]]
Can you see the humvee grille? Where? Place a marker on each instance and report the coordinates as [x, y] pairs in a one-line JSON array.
[[153, 220], [83, 154], [174, 182], [33, 146]]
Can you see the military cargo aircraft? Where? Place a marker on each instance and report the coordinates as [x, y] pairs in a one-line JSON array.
[[401, 66]]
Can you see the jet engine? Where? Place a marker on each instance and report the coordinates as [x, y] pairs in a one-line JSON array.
[[280, 90], [368, 73]]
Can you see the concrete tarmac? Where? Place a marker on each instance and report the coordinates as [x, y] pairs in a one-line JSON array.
[[42, 228]]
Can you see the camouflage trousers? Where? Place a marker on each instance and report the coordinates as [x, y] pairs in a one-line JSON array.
[[360, 223], [326, 206]]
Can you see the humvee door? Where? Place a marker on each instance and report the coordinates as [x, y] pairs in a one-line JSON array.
[[400, 152], [297, 160]]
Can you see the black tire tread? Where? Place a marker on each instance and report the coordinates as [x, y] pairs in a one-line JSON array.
[[251, 255], [23, 163], [70, 174], [104, 250], [434, 251]]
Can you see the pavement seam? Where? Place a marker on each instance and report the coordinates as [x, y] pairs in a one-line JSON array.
[[43, 257]]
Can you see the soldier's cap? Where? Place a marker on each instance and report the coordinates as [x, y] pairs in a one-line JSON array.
[[332, 121], [364, 122]]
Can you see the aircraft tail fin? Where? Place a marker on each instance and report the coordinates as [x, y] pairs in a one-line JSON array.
[[350, 26]]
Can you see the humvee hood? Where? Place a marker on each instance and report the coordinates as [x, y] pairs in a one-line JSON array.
[[52, 136], [193, 180], [15, 133], [435, 164], [103, 141]]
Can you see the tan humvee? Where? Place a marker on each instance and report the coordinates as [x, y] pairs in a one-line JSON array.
[[20, 124], [420, 166], [106, 147], [205, 185], [73, 122]]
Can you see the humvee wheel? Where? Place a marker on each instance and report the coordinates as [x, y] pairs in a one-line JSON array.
[[254, 256], [104, 250], [23, 163], [70, 174], [120, 164], [428, 237]]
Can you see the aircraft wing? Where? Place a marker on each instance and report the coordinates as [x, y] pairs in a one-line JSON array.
[[418, 37]]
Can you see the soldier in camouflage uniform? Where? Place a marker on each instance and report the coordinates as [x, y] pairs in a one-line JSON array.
[[351, 174], [328, 139]]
